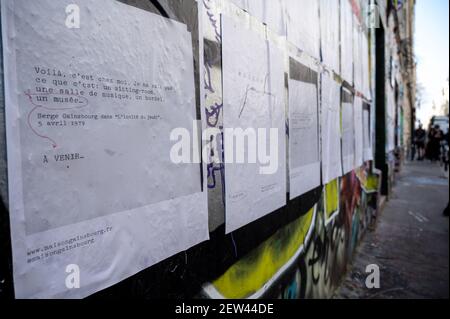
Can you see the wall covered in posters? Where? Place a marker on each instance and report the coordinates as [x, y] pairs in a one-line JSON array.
[[254, 63], [78, 129]]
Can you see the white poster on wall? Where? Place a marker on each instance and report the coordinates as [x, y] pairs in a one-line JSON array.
[[329, 33], [347, 40], [304, 157], [272, 13], [390, 119], [367, 129], [330, 129], [348, 132], [359, 132], [366, 68], [303, 25], [254, 117], [358, 64], [243, 4], [89, 115]]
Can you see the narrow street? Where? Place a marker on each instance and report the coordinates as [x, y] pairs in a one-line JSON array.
[[410, 243]]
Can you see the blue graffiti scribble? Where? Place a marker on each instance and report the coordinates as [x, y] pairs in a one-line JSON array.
[[212, 115], [213, 21]]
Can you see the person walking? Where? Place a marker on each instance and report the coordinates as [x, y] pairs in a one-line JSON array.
[[435, 137], [419, 141]]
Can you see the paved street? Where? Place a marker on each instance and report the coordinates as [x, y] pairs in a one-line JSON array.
[[410, 243]]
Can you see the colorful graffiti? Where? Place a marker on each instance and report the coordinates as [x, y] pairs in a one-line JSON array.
[[255, 273], [308, 257]]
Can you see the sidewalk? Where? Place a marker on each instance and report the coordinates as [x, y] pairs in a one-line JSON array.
[[410, 243]]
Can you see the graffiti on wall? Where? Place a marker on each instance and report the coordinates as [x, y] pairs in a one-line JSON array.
[[307, 257]]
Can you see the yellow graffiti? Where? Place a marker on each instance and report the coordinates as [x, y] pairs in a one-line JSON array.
[[369, 181], [332, 197], [252, 272], [372, 183]]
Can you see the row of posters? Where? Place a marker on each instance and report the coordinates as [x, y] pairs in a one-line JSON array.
[[325, 139], [93, 189]]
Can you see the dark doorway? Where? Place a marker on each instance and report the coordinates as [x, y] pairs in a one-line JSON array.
[[380, 96]]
